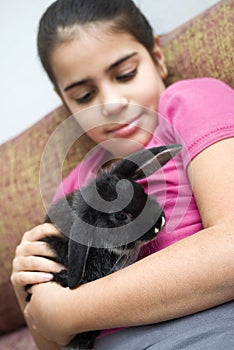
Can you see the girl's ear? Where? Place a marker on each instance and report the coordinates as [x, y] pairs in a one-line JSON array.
[[159, 58]]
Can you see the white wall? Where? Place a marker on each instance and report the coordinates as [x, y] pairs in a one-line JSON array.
[[25, 91]]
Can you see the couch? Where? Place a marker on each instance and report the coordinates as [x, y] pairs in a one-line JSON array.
[[201, 47]]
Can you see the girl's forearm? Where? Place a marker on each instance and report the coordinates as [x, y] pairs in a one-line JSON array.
[[191, 275]]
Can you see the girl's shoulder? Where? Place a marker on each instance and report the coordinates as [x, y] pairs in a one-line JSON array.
[[197, 113], [206, 83], [191, 91], [196, 98]]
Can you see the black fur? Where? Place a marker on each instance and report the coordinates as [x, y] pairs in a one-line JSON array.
[[87, 262]]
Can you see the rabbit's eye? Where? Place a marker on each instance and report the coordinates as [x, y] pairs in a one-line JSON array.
[[121, 216]]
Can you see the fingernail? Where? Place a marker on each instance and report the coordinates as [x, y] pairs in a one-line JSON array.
[[47, 276]]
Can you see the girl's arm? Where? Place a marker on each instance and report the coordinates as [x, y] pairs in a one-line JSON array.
[[194, 274]]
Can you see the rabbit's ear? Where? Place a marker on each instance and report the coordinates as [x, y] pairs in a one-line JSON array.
[[145, 162], [77, 257]]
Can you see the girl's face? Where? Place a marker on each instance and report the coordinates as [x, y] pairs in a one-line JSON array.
[[112, 85]]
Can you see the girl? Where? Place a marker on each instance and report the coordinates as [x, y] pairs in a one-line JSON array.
[[102, 54]]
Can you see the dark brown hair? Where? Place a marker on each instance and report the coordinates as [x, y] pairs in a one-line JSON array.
[[62, 15]]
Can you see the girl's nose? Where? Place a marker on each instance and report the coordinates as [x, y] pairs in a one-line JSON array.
[[113, 109], [113, 103]]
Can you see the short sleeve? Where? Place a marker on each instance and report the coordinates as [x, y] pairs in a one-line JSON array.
[[200, 111]]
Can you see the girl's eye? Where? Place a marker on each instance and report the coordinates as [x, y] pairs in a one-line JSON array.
[[128, 76], [86, 97]]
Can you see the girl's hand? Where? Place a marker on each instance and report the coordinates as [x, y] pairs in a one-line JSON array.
[[30, 265], [45, 313]]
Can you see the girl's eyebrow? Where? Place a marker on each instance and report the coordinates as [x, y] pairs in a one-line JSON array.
[[76, 83], [121, 60], [113, 65]]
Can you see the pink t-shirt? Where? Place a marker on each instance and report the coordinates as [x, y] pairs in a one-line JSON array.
[[195, 113]]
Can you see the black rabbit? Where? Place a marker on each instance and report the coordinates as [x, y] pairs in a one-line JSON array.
[[105, 224]]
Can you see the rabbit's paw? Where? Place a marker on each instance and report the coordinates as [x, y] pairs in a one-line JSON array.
[[61, 278]]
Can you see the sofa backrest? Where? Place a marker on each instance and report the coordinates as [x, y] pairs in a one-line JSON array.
[[201, 47]]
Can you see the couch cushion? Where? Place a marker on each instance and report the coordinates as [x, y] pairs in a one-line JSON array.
[[18, 340], [204, 46], [21, 205]]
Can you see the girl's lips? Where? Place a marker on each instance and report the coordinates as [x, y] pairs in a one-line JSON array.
[[125, 130]]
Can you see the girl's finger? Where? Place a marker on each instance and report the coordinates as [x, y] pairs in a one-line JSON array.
[[27, 248], [36, 263], [24, 278], [39, 232]]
